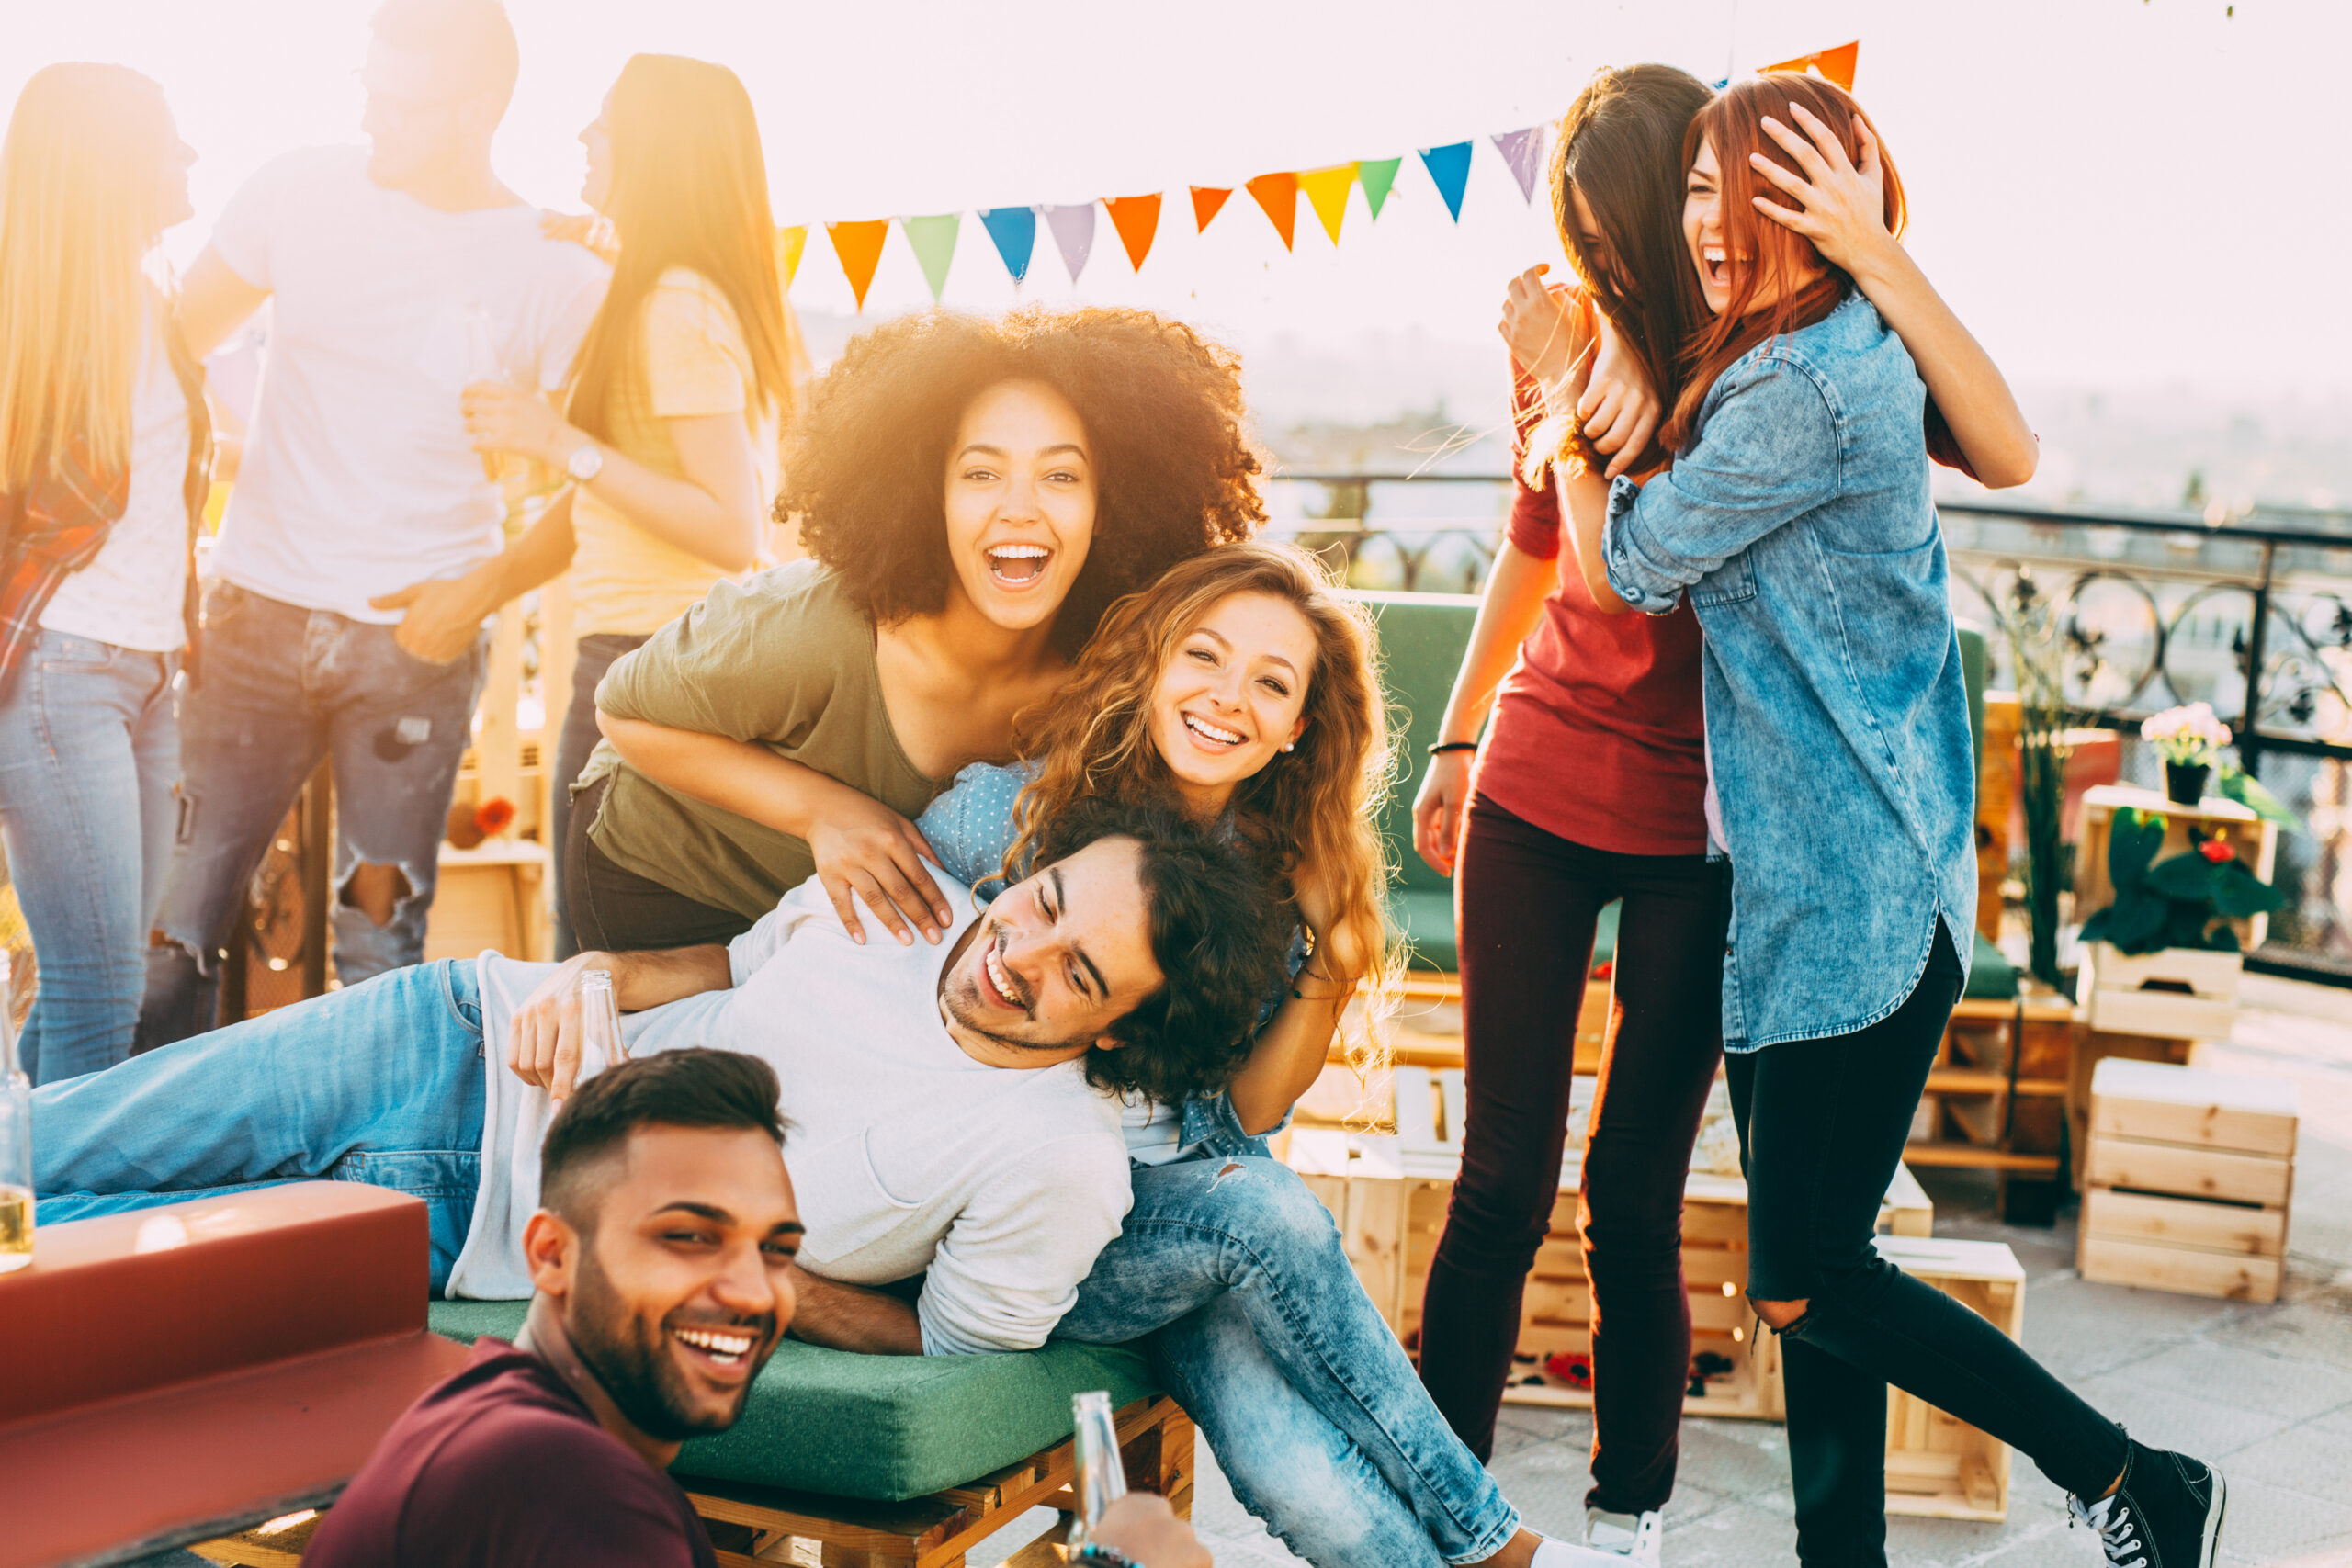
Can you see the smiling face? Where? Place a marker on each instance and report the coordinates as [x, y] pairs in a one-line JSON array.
[[1018, 502], [681, 1292], [1702, 229], [596, 136], [1057, 960], [1232, 696]]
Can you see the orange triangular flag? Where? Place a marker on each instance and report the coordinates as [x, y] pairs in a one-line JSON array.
[[1137, 218], [859, 246], [1278, 194], [1327, 192], [1836, 64], [791, 241], [1206, 199]]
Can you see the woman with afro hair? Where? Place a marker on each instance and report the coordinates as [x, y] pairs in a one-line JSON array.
[[973, 493]]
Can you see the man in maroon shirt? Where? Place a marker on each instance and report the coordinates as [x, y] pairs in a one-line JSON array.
[[662, 1267]]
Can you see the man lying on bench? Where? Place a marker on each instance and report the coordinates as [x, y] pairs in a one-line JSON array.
[[946, 1105], [661, 1266]]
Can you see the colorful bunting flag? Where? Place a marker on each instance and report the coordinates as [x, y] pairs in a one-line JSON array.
[[1206, 199], [1277, 194], [1327, 192], [859, 246], [790, 242], [1137, 218], [1523, 151], [934, 243], [1835, 64], [1014, 230], [1376, 175], [1450, 167], [1073, 229]]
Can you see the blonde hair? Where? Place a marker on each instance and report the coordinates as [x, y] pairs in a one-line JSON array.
[[1309, 812], [81, 175]]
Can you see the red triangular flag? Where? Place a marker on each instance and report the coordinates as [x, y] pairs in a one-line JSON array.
[[1137, 218], [1206, 199], [1278, 194], [859, 246], [1834, 64]]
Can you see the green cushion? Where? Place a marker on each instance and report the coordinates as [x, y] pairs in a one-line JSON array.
[[887, 1427], [1972, 675], [1991, 977]]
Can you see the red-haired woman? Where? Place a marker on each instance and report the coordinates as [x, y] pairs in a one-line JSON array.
[[1615, 701], [1795, 520]]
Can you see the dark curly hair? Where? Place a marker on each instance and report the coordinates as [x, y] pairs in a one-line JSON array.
[[1161, 405], [1219, 932]]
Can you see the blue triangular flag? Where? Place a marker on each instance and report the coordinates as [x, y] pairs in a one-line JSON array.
[[1450, 167], [1073, 229], [1522, 150], [1014, 230]]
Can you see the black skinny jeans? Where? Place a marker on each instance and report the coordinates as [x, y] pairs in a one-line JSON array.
[[592, 656], [1528, 902], [1822, 1126]]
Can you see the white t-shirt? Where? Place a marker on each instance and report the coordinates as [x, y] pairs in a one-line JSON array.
[[906, 1155], [134, 593], [357, 478]]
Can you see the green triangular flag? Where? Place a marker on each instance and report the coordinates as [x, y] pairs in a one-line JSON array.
[[1376, 175], [934, 243]]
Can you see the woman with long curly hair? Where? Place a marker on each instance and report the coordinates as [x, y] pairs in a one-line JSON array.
[[1241, 690], [973, 493]]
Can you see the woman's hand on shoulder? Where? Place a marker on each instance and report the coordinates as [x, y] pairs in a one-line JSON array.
[[1550, 334], [862, 847], [1620, 410], [1841, 206]]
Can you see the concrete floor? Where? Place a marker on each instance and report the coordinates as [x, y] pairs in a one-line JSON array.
[[2265, 1391]]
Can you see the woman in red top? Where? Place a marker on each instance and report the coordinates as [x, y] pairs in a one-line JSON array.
[[1592, 789]]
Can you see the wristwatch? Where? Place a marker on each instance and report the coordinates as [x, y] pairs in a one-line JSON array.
[[1102, 1556], [586, 463]]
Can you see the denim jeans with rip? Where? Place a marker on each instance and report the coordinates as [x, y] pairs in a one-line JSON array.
[[1232, 1274], [89, 751], [283, 687]]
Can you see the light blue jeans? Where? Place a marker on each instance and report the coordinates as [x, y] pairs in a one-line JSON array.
[[89, 751], [380, 1082], [1233, 1275]]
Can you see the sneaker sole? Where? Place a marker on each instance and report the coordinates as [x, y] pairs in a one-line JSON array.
[[2213, 1518]]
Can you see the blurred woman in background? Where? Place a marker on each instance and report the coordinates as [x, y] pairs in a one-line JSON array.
[[669, 431], [103, 445]]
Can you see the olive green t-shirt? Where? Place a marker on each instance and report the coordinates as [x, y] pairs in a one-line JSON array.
[[782, 659]]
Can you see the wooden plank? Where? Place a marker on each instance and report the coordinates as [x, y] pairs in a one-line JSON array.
[[2179, 1269], [1974, 1156], [2187, 1171], [2162, 1103], [2184, 1222]]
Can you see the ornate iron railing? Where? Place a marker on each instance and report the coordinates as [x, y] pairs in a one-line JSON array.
[[2251, 614]]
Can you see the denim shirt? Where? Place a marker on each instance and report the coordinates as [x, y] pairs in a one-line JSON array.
[[1800, 525], [971, 827]]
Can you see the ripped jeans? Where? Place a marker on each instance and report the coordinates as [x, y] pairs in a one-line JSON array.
[[281, 688], [1232, 1274]]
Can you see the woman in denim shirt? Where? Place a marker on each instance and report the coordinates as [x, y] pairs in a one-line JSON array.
[[1796, 517], [1242, 687]]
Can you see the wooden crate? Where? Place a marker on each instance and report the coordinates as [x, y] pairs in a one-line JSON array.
[[2256, 841], [2188, 1180], [2178, 993], [491, 896], [1389, 1193], [1939, 1467]]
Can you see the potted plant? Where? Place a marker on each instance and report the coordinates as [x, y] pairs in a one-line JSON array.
[[2163, 958], [2190, 738]]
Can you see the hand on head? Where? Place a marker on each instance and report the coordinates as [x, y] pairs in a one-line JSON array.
[[1841, 205]]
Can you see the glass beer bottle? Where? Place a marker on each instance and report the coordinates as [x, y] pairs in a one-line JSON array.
[[600, 1023], [15, 1143], [1102, 1474], [510, 471]]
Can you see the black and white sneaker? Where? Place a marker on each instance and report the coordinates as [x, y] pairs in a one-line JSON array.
[[2168, 1513]]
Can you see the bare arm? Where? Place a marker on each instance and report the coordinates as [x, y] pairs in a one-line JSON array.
[[859, 844], [1842, 211], [214, 302], [1584, 505], [544, 1036], [848, 1317], [714, 512]]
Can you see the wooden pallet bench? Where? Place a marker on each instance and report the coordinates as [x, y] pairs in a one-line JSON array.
[[2186, 1180]]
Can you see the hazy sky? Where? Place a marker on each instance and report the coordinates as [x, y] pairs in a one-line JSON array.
[[2118, 192]]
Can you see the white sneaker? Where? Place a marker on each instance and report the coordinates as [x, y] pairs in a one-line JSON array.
[[1551, 1553], [1633, 1538]]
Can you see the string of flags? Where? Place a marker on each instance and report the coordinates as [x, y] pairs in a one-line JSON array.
[[1135, 218]]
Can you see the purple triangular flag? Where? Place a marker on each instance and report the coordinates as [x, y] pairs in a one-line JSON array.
[[1523, 151], [1073, 229]]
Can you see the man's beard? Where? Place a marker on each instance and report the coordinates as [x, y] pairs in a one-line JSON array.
[[959, 999], [640, 1376]]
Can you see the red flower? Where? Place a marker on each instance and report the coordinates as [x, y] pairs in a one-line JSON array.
[[2216, 850], [493, 816]]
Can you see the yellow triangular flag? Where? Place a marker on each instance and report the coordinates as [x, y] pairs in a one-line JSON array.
[[790, 242], [1327, 191]]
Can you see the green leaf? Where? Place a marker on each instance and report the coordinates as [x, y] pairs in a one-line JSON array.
[[2132, 839], [2237, 784], [2100, 925], [2132, 925], [2238, 893], [2223, 937], [2190, 876]]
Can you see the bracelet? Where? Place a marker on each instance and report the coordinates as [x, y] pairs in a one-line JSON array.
[[1108, 1557], [1442, 746]]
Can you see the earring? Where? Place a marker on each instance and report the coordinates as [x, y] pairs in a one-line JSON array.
[[1290, 745]]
